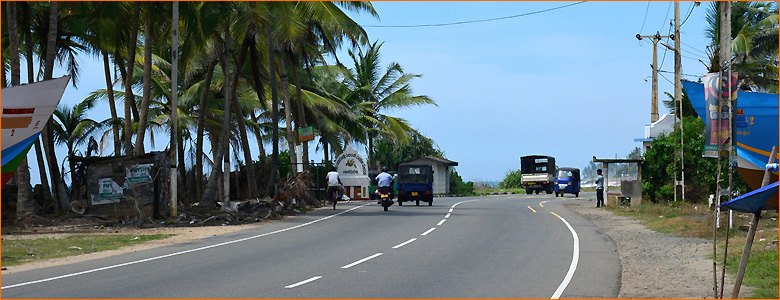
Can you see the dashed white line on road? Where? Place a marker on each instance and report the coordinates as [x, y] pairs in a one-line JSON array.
[[404, 243], [180, 252], [441, 222], [303, 282], [450, 210], [429, 231], [361, 261], [448, 215]]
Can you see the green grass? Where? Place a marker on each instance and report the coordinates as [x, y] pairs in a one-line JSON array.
[[17, 252], [483, 192], [693, 220]]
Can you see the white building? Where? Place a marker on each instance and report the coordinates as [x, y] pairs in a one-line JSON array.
[[664, 125]]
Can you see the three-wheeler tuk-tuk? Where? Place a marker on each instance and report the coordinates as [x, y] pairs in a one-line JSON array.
[[415, 183], [567, 180]]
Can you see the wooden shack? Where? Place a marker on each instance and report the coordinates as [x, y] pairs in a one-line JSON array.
[[126, 186]]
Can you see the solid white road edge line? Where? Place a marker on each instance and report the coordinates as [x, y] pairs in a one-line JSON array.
[[361, 261], [177, 253], [303, 282], [404, 243], [429, 231], [574, 260]]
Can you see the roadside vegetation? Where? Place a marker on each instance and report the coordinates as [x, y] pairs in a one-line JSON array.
[[18, 252], [696, 220]]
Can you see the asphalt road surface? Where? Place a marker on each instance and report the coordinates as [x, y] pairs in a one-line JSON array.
[[506, 246]]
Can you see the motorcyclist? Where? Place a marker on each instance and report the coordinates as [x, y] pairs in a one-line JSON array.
[[384, 183]]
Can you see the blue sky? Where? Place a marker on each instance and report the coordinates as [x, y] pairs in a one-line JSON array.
[[572, 83]]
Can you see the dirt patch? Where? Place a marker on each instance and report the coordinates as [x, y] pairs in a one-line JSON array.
[[658, 265]]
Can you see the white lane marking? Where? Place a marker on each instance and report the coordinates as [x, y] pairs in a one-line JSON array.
[[441, 222], [361, 261], [450, 210], [177, 253], [448, 215], [575, 258], [404, 243], [303, 282], [429, 231]]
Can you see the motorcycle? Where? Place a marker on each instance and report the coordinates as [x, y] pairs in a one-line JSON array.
[[384, 196]]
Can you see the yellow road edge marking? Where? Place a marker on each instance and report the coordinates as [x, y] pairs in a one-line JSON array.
[[559, 217], [529, 207]]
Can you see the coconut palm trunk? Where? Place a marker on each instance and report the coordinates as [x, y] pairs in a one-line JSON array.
[[47, 133], [210, 194], [111, 103], [143, 113], [285, 85], [129, 77], [274, 113], [241, 120], [301, 119], [202, 111], [30, 79], [24, 205], [258, 86]]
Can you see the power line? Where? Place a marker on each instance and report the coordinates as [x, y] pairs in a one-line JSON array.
[[645, 19], [693, 5], [475, 21], [690, 75], [694, 48]]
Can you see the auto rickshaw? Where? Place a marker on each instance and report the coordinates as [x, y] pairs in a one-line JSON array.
[[567, 180], [415, 183]]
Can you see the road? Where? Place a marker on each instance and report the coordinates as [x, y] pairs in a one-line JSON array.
[[505, 246]]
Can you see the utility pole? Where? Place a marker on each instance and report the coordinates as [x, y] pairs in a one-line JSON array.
[[724, 12], [678, 97], [655, 38]]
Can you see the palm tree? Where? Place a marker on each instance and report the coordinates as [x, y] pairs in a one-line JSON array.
[[73, 128], [371, 92], [754, 27], [24, 204]]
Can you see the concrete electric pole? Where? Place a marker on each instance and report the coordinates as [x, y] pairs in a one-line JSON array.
[[654, 105]]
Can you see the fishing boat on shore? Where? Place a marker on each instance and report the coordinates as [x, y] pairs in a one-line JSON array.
[[25, 110], [756, 131]]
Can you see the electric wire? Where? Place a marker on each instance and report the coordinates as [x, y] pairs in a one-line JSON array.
[[476, 21], [689, 13], [694, 48], [683, 74], [645, 18]]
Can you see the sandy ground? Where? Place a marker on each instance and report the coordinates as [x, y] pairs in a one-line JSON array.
[[655, 265], [658, 265]]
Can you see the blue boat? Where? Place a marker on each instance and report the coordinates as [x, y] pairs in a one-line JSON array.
[[756, 128]]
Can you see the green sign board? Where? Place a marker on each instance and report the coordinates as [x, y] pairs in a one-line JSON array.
[[306, 134], [139, 173]]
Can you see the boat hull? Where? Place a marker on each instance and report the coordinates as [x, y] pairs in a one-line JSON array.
[[25, 110], [757, 132]]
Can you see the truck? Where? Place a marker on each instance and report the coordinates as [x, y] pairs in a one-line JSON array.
[[538, 173]]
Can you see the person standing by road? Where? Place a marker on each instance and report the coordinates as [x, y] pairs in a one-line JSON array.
[[334, 184], [599, 189]]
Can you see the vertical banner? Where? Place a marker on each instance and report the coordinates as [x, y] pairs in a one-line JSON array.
[[717, 130]]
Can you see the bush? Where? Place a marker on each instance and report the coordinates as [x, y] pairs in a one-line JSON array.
[[458, 187], [513, 179], [658, 167]]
